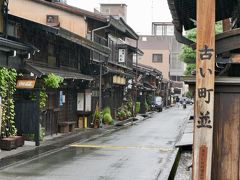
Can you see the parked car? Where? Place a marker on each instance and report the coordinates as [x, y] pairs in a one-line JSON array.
[[188, 100], [157, 104]]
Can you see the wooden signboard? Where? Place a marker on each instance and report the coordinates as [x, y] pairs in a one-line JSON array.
[[205, 77], [25, 83]]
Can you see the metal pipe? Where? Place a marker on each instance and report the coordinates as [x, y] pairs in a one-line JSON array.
[[97, 29]]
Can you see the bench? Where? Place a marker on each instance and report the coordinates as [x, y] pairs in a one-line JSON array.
[[66, 126]]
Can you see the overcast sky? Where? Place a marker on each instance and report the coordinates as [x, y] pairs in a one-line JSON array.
[[140, 13]]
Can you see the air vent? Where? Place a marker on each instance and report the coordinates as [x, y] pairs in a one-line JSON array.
[[53, 20]]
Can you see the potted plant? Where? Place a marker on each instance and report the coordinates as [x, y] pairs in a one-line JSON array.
[[121, 114], [107, 119]]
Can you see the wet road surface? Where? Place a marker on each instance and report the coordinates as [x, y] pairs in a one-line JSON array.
[[139, 152]]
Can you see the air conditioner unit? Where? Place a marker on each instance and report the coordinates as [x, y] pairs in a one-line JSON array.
[[53, 20]]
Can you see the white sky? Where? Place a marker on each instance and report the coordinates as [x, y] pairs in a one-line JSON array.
[[140, 13]]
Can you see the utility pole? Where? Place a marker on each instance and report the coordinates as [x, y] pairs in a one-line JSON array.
[[205, 78], [100, 94]]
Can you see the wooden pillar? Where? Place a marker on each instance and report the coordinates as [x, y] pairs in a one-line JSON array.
[[0, 118], [226, 25], [1, 16], [205, 77]]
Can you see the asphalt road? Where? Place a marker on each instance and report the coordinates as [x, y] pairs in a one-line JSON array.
[[142, 152]]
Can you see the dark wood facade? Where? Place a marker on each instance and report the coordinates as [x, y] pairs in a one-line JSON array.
[[62, 57], [226, 151]]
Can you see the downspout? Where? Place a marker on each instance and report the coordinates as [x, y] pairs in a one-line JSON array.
[[5, 16], [100, 28], [100, 74]]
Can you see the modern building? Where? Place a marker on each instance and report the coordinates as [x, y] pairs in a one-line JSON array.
[[115, 10], [162, 51]]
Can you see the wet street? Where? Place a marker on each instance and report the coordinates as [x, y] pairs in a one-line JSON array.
[[141, 151]]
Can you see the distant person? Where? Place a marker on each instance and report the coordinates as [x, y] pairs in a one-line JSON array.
[[184, 103], [177, 101]]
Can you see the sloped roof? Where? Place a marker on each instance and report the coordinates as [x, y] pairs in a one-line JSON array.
[[119, 24], [74, 10], [184, 12]]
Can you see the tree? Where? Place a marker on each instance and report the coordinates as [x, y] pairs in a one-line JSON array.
[[188, 55]]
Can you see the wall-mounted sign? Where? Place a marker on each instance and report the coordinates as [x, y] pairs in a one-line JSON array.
[[25, 83], [88, 98], [121, 55], [80, 101], [119, 80]]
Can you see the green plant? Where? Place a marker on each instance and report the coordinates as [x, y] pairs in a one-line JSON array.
[[7, 90], [107, 118], [106, 110], [53, 81], [42, 98], [189, 94], [121, 113], [138, 107], [31, 136], [128, 113], [146, 106]]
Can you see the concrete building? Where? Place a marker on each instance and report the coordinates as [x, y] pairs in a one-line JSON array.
[[162, 51], [116, 10]]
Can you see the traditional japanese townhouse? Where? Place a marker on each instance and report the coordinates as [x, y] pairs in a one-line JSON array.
[[149, 85], [107, 31], [64, 54], [117, 70], [12, 53]]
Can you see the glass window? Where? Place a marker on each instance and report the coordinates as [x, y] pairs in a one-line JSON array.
[[157, 58]]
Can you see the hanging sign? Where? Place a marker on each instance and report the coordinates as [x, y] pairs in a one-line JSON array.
[[25, 84]]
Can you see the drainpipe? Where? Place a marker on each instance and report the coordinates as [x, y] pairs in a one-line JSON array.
[[100, 70]]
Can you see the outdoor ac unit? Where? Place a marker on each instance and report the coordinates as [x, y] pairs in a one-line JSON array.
[[53, 20]]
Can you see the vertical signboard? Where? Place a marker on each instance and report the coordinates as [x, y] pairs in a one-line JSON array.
[[80, 102], [88, 97], [121, 55], [205, 77]]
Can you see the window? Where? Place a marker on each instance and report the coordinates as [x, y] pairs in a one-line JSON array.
[[157, 58]]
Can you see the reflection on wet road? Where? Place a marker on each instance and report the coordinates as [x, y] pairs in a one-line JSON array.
[[136, 152]]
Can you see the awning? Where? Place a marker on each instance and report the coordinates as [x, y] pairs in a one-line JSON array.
[[184, 12], [131, 48], [9, 45], [41, 71], [118, 72], [149, 86], [105, 51]]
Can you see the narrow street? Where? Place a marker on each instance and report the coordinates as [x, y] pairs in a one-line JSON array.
[[140, 151]]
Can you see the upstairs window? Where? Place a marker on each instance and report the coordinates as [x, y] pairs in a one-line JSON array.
[[157, 58]]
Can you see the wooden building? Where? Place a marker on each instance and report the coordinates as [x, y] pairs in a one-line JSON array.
[[225, 152], [149, 84], [108, 54], [65, 54]]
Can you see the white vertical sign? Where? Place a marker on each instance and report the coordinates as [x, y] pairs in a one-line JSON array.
[[121, 55], [88, 95], [80, 101]]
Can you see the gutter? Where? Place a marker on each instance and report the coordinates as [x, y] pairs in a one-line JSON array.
[[100, 28]]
